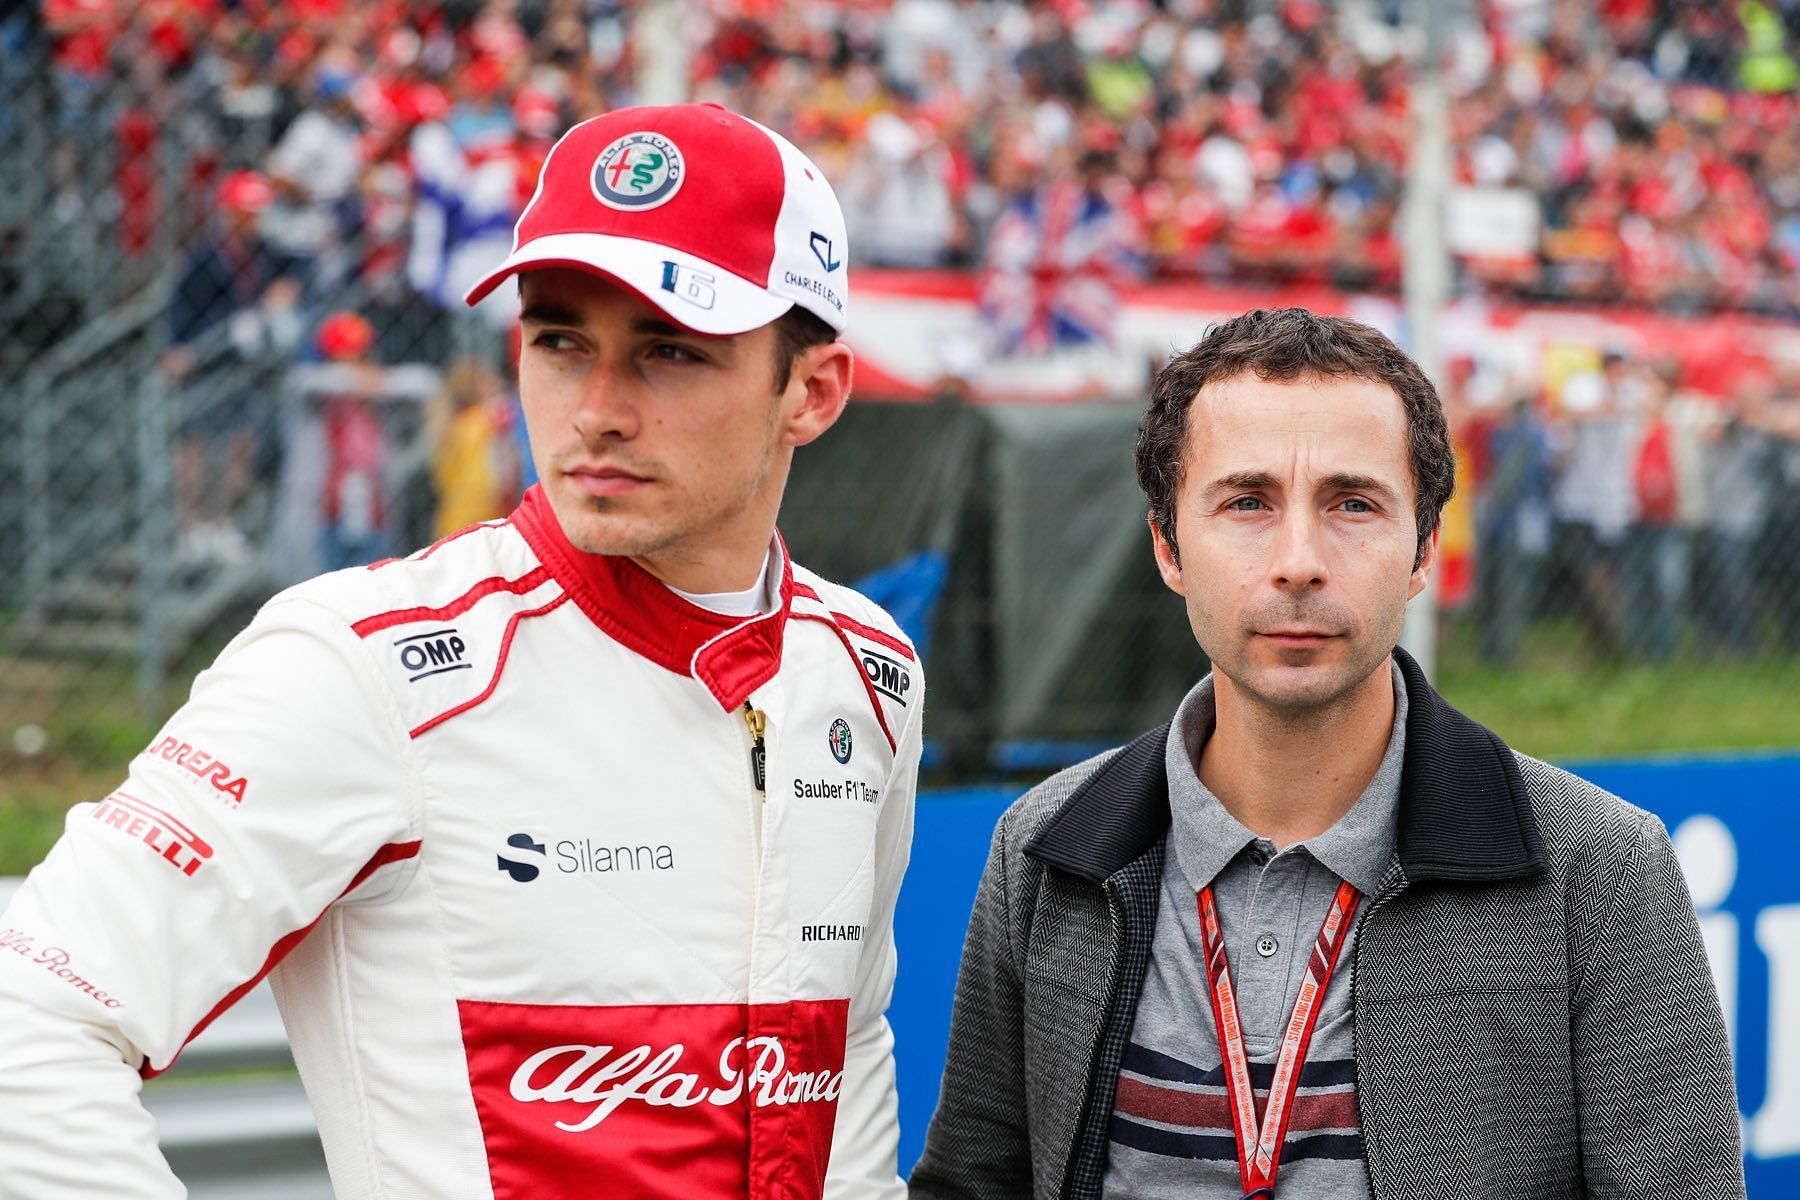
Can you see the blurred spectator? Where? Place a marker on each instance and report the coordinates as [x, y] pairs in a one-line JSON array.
[[1512, 528], [1780, 552], [81, 33], [1740, 477], [236, 300], [353, 509], [474, 459], [316, 165], [1593, 501], [1654, 567], [899, 191]]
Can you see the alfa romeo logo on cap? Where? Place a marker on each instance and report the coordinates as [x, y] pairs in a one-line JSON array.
[[638, 171]]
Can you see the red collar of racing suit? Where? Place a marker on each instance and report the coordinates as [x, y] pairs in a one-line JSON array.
[[730, 656]]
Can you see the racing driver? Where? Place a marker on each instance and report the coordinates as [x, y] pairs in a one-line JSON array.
[[570, 844]]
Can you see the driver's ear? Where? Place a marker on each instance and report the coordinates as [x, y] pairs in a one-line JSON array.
[[818, 388]]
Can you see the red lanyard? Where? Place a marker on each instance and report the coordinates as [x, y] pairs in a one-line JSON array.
[[1259, 1147]]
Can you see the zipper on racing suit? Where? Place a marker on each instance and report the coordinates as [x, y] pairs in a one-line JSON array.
[[759, 757], [758, 723]]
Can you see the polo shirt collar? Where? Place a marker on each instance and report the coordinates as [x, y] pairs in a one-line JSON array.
[[1205, 837], [1464, 815]]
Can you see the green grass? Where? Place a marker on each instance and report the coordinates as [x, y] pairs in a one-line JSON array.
[[1564, 702], [33, 803], [90, 723]]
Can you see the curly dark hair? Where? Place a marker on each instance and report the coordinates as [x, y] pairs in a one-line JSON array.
[[1281, 345]]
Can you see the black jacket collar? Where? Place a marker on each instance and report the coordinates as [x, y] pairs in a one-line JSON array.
[[1464, 812]]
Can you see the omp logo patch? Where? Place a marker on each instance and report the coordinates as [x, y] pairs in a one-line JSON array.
[[889, 676], [426, 654]]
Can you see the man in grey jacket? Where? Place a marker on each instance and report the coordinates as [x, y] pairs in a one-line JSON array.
[[1506, 995]]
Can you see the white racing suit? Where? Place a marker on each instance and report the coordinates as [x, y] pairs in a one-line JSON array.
[[491, 816]]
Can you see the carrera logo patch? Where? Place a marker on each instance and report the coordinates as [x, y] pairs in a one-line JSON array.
[[202, 766], [638, 171]]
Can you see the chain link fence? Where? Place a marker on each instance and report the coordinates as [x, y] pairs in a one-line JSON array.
[[233, 238]]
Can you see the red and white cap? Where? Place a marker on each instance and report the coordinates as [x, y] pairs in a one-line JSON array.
[[721, 223]]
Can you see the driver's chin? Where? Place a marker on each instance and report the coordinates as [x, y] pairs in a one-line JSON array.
[[612, 532], [1284, 681]]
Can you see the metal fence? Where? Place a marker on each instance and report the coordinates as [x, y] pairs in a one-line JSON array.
[[231, 250]]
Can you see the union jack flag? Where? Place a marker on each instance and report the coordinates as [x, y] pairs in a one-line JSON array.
[[1056, 260]]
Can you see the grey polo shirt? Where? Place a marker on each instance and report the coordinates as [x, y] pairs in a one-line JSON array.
[[1171, 1133]]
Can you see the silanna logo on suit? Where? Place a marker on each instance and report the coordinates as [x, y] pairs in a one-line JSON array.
[[526, 858]]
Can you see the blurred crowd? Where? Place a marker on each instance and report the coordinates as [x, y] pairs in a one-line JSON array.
[[1223, 139], [337, 171], [1659, 520]]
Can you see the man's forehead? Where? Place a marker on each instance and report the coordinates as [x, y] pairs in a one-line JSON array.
[[1337, 423]]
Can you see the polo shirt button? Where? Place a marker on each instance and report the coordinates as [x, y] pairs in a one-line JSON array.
[[1266, 945]]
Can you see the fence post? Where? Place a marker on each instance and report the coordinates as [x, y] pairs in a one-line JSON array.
[[1426, 266], [155, 540], [34, 469]]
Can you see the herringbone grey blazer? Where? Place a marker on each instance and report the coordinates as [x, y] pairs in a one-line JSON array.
[[1534, 1015]]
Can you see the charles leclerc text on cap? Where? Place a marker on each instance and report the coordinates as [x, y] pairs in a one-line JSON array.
[[717, 221]]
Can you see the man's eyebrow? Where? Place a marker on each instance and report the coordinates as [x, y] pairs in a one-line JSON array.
[[658, 327], [1343, 481], [551, 313], [545, 313], [1337, 481], [1243, 481]]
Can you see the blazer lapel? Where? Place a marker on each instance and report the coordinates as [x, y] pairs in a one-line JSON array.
[[1119, 814], [1464, 812]]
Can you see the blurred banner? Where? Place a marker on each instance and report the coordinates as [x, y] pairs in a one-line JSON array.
[[915, 329], [1730, 823]]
